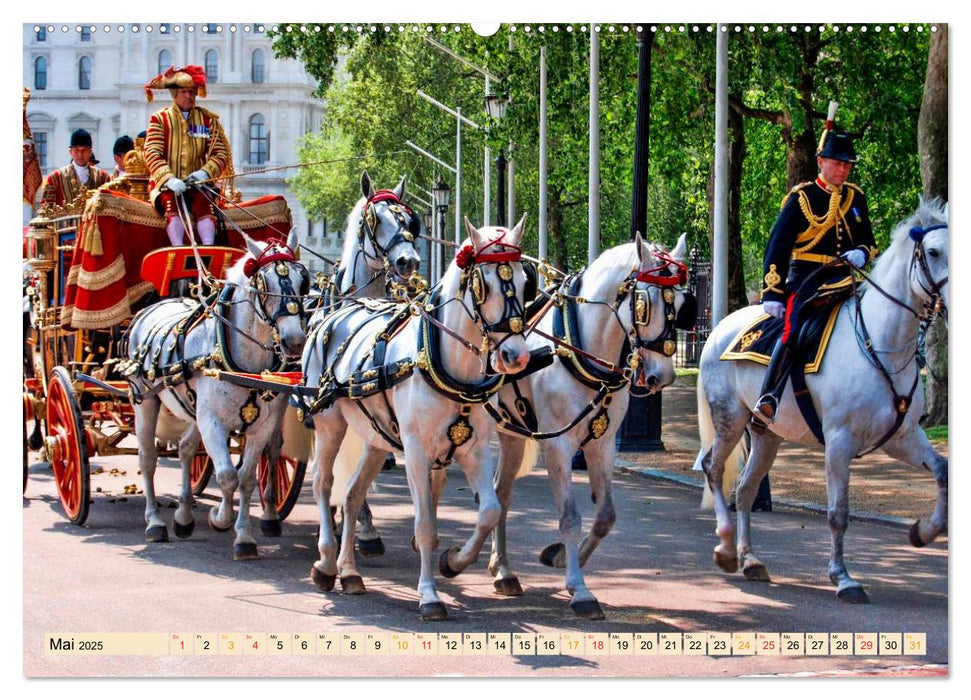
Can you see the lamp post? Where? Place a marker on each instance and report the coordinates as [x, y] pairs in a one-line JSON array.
[[496, 109], [441, 193], [427, 219]]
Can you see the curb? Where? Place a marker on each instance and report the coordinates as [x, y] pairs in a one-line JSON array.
[[859, 516]]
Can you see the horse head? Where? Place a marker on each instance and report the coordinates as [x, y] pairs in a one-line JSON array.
[[493, 283], [386, 229], [279, 284], [928, 229], [659, 305]]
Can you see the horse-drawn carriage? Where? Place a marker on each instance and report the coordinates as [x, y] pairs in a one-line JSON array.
[[88, 266]]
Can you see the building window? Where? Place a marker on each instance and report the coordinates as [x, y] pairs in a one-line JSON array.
[[40, 147], [85, 33], [259, 66], [212, 66], [259, 140], [164, 60], [41, 33], [40, 73], [84, 73]]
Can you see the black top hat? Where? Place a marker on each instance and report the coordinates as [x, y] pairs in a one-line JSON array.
[[80, 137], [838, 146], [123, 144]]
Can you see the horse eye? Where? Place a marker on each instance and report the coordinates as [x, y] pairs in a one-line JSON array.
[[933, 253]]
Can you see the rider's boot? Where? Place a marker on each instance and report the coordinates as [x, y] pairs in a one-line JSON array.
[[776, 376]]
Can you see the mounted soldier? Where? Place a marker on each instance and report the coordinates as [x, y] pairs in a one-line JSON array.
[[184, 145], [821, 222]]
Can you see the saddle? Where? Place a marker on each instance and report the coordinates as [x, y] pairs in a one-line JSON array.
[[756, 341]]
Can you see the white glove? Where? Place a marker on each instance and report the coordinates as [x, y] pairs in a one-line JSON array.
[[197, 176], [855, 257], [774, 308], [175, 185]]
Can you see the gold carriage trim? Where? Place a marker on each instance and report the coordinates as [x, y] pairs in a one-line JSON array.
[[103, 318], [94, 281], [772, 280], [751, 332]]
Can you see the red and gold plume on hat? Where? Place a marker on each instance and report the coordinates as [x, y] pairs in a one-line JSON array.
[[176, 78], [830, 123]]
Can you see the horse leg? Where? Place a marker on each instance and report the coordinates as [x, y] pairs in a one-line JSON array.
[[437, 477], [600, 461], [478, 467], [372, 460], [185, 520], [146, 419], [510, 455], [216, 440], [729, 426], [838, 456], [764, 449], [244, 546], [270, 519], [329, 435], [916, 450], [417, 468], [369, 539]]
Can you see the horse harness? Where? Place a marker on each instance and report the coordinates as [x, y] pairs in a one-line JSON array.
[[604, 377], [171, 366]]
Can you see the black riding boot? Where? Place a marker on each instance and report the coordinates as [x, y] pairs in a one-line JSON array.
[[774, 384]]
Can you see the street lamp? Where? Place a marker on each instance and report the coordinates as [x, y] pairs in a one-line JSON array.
[[426, 220], [495, 106], [441, 194]]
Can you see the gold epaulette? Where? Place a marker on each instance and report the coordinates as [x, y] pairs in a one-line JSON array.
[[793, 191]]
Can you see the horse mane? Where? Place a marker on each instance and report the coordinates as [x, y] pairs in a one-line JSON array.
[[929, 211], [350, 233], [622, 258]]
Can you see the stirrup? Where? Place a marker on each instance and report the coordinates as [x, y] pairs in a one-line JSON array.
[[758, 413]]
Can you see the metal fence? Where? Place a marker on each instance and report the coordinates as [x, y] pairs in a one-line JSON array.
[[690, 343]]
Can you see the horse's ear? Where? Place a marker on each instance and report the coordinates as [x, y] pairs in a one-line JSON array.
[[293, 240], [681, 248], [252, 247], [643, 254], [399, 190], [367, 189], [473, 234], [518, 230]]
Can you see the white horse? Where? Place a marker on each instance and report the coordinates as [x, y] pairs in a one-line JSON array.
[[413, 378], [866, 393], [256, 322], [622, 312]]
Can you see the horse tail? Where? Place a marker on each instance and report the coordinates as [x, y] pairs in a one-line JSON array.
[[530, 459], [706, 432], [345, 464], [298, 439]]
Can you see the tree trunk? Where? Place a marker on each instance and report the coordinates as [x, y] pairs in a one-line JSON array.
[[932, 146], [559, 255]]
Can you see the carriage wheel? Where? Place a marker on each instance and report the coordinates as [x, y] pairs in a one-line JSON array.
[[66, 445], [200, 473], [289, 478]]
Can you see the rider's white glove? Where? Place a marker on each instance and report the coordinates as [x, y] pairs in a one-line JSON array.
[[855, 257], [175, 185], [774, 308], [197, 176]]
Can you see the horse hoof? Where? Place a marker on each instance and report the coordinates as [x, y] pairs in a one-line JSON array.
[[548, 556], [443, 567], [728, 564], [184, 531], [271, 528], [914, 534], [157, 533], [371, 548], [324, 582], [508, 586], [353, 585], [587, 610], [854, 594], [217, 528], [245, 551], [433, 612], [756, 572]]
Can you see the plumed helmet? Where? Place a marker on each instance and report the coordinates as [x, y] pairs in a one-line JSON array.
[[835, 143], [186, 76], [80, 137]]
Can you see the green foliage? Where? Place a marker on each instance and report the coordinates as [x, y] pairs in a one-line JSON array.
[[782, 81]]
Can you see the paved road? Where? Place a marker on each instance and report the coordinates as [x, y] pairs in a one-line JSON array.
[[653, 574]]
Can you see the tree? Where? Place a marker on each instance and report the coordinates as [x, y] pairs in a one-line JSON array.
[[932, 141]]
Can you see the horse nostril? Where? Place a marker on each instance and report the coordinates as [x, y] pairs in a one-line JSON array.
[[652, 380]]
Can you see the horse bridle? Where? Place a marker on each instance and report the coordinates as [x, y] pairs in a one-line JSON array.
[[935, 302], [408, 226], [290, 301]]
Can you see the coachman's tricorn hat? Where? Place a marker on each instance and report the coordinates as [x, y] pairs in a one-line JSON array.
[[835, 143], [175, 78]]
